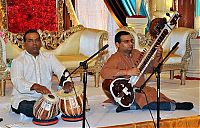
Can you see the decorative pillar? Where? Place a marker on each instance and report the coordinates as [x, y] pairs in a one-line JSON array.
[[138, 23], [197, 18], [138, 3], [194, 65], [152, 8], [197, 25], [163, 7]]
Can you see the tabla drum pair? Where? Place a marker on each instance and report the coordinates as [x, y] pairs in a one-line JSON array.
[[69, 104]]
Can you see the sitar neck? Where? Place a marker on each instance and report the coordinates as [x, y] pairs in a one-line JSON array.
[[166, 29]]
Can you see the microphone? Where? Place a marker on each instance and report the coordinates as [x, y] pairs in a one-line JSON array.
[[177, 43], [63, 78], [104, 47]]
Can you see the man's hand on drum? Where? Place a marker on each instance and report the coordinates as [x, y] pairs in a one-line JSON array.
[[68, 86], [40, 89]]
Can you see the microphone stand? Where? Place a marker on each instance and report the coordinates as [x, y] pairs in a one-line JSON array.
[[85, 67], [157, 70]]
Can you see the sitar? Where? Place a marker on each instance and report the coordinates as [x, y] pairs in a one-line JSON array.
[[122, 90]]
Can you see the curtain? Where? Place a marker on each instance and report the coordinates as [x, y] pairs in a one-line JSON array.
[[94, 14], [126, 8], [197, 7], [118, 11]]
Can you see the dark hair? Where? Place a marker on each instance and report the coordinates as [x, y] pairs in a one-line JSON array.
[[30, 31], [119, 34]]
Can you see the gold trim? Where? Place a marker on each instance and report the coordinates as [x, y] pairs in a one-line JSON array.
[[60, 14], [71, 11], [50, 40], [4, 15]]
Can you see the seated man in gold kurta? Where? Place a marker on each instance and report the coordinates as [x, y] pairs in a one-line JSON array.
[[124, 63]]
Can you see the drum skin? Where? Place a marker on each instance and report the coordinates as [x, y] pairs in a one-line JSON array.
[[46, 107]]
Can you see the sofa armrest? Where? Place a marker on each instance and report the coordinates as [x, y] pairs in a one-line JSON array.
[[3, 50], [12, 50], [3, 67], [181, 35]]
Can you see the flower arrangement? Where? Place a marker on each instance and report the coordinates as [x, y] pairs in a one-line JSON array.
[[25, 14]]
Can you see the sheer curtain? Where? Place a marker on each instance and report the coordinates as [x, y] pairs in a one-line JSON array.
[[94, 14]]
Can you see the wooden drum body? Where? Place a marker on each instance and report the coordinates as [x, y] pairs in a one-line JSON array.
[[46, 107], [71, 104]]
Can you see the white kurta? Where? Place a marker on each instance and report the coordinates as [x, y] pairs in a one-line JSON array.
[[27, 70]]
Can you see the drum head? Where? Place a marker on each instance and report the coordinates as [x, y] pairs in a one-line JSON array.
[[45, 122], [72, 118], [62, 94]]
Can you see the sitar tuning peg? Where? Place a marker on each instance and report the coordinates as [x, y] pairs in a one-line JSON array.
[[167, 14], [180, 15]]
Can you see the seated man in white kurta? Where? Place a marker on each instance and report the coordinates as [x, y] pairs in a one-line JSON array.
[[31, 74]]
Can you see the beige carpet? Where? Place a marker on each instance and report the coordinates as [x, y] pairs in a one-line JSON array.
[[103, 114]]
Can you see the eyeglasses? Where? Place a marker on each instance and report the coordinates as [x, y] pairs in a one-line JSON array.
[[33, 40], [127, 41]]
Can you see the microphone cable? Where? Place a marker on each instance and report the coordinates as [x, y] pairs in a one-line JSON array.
[[149, 108], [62, 81]]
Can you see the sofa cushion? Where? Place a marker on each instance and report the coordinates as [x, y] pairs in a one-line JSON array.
[[70, 46], [72, 61], [173, 58]]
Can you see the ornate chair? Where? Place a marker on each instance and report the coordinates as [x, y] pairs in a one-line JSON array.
[[178, 60]]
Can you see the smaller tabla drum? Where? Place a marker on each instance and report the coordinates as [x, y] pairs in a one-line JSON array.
[[71, 104], [46, 109]]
